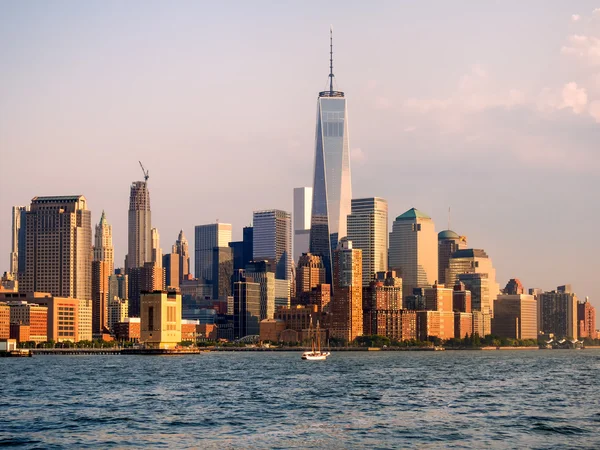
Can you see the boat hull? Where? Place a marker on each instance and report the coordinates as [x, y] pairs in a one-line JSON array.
[[315, 356]]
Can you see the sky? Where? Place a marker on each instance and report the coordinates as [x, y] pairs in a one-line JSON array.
[[489, 108]]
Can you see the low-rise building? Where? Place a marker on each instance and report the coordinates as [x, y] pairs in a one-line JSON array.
[[4, 321], [435, 324], [463, 324], [515, 317], [32, 315], [128, 330], [270, 329], [160, 313]]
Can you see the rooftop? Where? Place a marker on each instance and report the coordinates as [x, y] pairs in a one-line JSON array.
[[447, 234], [470, 253], [412, 214]]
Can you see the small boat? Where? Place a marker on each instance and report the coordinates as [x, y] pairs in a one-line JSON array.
[[315, 354]]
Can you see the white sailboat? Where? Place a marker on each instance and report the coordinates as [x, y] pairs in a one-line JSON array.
[[315, 354]]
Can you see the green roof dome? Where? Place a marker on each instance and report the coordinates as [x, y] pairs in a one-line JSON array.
[[447, 234], [412, 214]]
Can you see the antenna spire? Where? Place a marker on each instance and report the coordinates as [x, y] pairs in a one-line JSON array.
[[331, 60], [448, 217]]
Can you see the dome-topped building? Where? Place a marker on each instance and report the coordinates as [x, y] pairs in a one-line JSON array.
[[447, 234], [448, 242]]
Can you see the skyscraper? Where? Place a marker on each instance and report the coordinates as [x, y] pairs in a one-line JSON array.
[[139, 226], [59, 247], [302, 211], [557, 312], [18, 237], [474, 261], [157, 253], [272, 240], [515, 317], [310, 273], [332, 188], [59, 253], [368, 231], [222, 268], [208, 237], [181, 248], [413, 250], [347, 306], [102, 269], [448, 243]]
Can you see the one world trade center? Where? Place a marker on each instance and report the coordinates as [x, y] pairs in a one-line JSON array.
[[332, 190]]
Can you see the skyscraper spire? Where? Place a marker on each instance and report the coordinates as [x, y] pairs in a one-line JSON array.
[[331, 60]]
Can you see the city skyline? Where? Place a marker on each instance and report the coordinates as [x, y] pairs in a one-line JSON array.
[[518, 248]]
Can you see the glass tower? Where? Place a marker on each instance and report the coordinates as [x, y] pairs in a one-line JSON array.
[[332, 190]]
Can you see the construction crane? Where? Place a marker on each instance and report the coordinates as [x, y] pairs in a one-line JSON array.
[[146, 173]]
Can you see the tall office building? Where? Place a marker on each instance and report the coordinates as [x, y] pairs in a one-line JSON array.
[[368, 231], [448, 243], [309, 274], [514, 287], [181, 248], [474, 261], [478, 285], [242, 250], [102, 269], [170, 263], [413, 250], [586, 320], [208, 237], [557, 312], [515, 317], [246, 307], [139, 250], [18, 237], [302, 211], [103, 244], [59, 247], [157, 252], [272, 240], [332, 187], [347, 306], [222, 272], [59, 253]]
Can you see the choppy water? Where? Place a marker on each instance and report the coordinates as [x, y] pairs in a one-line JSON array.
[[537, 399]]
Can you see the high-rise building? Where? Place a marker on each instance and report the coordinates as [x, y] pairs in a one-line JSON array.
[[139, 250], [246, 308], [272, 240], [310, 273], [181, 248], [118, 311], [222, 267], [242, 250], [346, 306], [208, 237], [448, 243], [557, 313], [102, 269], [170, 264], [157, 252], [100, 298], [261, 272], [59, 247], [461, 299], [103, 244], [474, 261], [320, 296], [514, 287], [413, 250], [152, 278], [383, 314], [302, 211], [515, 317], [18, 237], [368, 231], [586, 319], [332, 187], [118, 285], [438, 298]]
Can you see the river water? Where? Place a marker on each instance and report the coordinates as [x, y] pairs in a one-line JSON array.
[[463, 399]]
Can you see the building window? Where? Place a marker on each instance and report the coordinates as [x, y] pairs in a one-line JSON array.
[[151, 318]]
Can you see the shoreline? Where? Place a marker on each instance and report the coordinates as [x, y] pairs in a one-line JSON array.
[[196, 351]]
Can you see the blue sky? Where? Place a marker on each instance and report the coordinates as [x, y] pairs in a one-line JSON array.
[[491, 108]]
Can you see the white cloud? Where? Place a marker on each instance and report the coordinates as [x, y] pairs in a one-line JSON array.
[[594, 110], [596, 12], [357, 155], [574, 97], [575, 17], [410, 129], [585, 48]]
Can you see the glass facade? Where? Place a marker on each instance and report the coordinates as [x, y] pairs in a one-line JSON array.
[[332, 191]]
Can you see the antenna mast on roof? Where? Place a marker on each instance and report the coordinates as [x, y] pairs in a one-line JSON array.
[[331, 60], [448, 217]]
